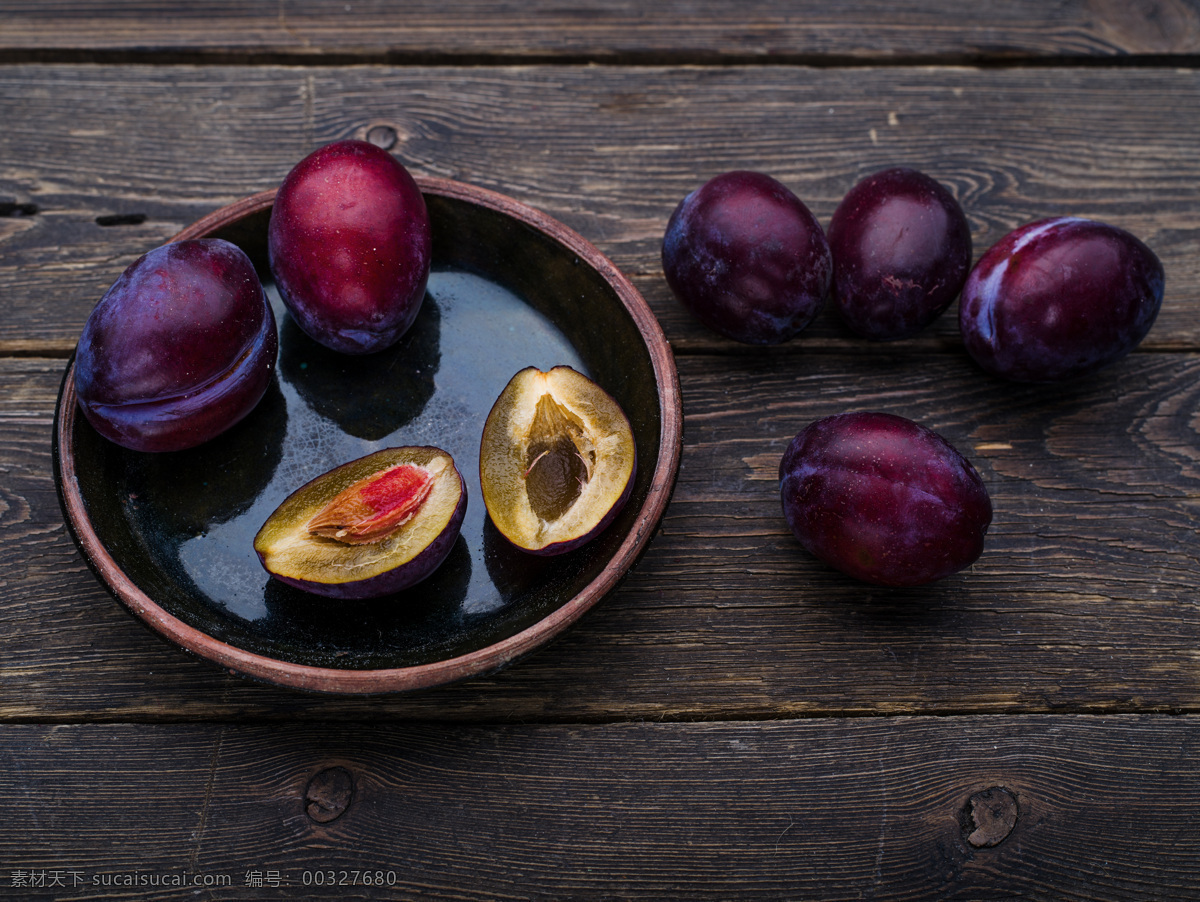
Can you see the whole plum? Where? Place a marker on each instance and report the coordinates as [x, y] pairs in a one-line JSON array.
[[746, 257], [350, 246], [180, 348], [1059, 298], [883, 499], [901, 252]]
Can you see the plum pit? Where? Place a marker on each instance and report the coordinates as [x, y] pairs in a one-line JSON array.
[[373, 508], [559, 466]]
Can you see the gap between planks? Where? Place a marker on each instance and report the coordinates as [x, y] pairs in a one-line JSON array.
[[618, 59]]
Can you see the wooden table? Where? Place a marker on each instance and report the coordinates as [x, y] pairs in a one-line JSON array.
[[737, 720]]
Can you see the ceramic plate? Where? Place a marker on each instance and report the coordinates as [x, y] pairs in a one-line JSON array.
[[171, 534]]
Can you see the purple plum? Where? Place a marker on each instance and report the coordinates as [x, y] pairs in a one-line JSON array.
[[883, 499], [745, 256], [350, 246], [180, 348], [901, 252], [1059, 298]]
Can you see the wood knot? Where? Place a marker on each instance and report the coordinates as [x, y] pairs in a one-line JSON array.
[[328, 794], [988, 817]]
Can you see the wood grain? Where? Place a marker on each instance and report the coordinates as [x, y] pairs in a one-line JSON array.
[[615, 149], [1084, 599], [825, 809], [610, 30]]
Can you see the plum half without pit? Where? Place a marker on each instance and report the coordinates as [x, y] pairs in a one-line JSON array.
[[556, 462], [370, 527]]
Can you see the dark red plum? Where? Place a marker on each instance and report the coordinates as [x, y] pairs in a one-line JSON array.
[[883, 499], [1059, 298], [901, 252], [745, 256], [350, 246], [179, 349]]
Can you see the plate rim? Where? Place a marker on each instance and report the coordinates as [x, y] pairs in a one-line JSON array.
[[479, 662]]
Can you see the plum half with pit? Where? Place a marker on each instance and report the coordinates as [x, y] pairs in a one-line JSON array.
[[179, 349], [883, 499], [747, 258], [1059, 298], [350, 246], [901, 251], [368, 528], [557, 460]]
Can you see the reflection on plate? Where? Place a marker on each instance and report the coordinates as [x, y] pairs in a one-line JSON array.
[[171, 534]]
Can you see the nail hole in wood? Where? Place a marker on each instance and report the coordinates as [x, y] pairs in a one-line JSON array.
[[121, 219], [7, 208]]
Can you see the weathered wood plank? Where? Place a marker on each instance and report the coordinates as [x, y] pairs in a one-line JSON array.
[[613, 151], [1084, 600], [1069, 808], [613, 29]]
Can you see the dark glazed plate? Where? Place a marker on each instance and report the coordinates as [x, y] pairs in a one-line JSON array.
[[171, 534]]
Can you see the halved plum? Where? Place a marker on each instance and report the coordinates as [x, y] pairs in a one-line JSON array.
[[179, 349], [370, 527], [557, 460]]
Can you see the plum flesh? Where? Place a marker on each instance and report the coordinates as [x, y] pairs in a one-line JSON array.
[[179, 349], [901, 251], [747, 258], [1059, 298], [350, 246], [883, 499]]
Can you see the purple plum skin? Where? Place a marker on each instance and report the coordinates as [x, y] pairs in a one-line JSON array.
[[901, 252], [179, 349], [745, 257], [1059, 298], [350, 246], [883, 499]]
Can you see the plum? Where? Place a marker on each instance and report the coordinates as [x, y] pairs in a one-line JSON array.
[[350, 246], [883, 499], [368, 528], [745, 256], [901, 251], [1059, 298], [179, 349], [557, 460]]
